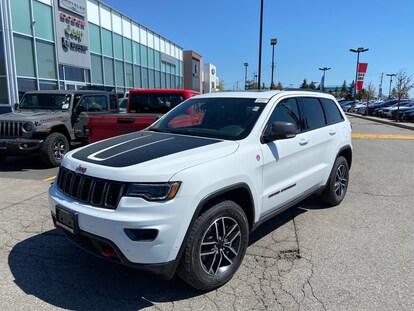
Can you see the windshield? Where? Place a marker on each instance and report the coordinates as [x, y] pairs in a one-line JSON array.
[[223, 118], [45, 101]]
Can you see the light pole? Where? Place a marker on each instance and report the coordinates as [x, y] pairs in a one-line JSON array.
[[323, 77], [245, 75], [273, 42], [260, 43], [358, 50], [390, 75]]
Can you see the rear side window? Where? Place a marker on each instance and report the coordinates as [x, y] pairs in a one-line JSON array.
[[332, 112], [154, 103], [312, 113]]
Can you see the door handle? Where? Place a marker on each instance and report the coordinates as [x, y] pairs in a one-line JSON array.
[[125, 121], [303, 141], [332, 132]]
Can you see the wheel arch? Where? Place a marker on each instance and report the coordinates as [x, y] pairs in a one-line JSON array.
[[239, 193], [61, 128], [346, 152]]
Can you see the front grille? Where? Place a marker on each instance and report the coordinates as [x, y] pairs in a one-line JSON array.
[[90, 190], [11, 129]]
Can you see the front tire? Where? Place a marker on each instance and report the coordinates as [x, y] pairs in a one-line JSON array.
[[216, 247], [54, 149], [337, 184]]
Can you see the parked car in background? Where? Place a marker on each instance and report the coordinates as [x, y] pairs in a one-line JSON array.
[[49, 122], [144, 107], [403, 106], [406, 115], [388, 111], [349, 105], [5, 108], [376, 111]]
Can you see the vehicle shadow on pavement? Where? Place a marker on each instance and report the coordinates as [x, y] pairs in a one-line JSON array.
[[50, 268], [16, 164], [279, 220]]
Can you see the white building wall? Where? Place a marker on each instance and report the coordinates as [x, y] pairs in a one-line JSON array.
[[210, 78]]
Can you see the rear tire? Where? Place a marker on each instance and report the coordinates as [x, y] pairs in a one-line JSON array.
[[54, 149], [337, 184], [216, 247]]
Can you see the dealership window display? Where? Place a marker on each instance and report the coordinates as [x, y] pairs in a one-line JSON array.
[[70, 44]]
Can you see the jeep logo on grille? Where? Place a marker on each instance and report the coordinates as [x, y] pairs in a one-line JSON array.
[[81, 169]]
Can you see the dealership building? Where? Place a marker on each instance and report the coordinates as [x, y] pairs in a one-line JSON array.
[[69, 44]]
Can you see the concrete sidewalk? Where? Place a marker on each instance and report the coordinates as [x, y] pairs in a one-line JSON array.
[[405, 125]]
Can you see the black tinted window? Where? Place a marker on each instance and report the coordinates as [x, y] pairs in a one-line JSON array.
[[287, 111], [332, 112], [154, 103], [113, 102], [313, 113]]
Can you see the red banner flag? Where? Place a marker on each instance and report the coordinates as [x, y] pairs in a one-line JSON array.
[[362, 69]]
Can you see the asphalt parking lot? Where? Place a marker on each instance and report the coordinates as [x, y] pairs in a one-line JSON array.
[[356, 256]]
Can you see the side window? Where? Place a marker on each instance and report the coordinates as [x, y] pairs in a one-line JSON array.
[[286, 110], [113, 103], [332, 112], [154, 102], [312, 113], [93, 103]]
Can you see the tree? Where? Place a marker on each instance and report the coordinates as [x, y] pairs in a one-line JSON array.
[[312, 85], [220, 86], [402, 87], [251, 85], [371, 91], [279, 86], [304, 84], [344, 90]]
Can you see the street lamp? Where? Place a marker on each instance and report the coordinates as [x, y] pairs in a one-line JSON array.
[[322, 88], [260, 43], [358, 50], [273, 42], [245, 75], [390, 75]]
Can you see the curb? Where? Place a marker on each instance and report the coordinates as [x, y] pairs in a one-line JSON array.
[[383, 121]]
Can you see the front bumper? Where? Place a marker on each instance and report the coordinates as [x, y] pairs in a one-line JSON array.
[[104, 232], [19, 145]]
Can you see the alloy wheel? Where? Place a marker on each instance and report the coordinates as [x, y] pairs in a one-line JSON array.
[[341, 181], [220, 246]]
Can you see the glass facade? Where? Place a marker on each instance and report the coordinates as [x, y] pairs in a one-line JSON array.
[[123, 54]]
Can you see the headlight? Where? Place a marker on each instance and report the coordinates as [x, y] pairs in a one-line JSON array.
[[28, 127], [154, 191]]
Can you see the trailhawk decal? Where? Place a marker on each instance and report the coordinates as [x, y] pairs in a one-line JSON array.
[[137, 148]]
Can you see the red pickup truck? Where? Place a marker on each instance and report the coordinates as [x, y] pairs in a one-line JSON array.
[[144, 107]]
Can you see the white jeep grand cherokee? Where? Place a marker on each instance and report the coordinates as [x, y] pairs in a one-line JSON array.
[[182, 196]]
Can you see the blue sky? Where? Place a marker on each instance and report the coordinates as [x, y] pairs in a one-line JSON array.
[[311, 34]]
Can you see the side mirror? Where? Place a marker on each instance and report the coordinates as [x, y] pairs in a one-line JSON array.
[[279, 130], [15, 106]]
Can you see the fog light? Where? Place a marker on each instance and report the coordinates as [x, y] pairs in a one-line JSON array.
[[141, 235]]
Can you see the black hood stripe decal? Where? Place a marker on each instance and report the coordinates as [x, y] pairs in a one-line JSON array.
[[139, 147], [108, 152]]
